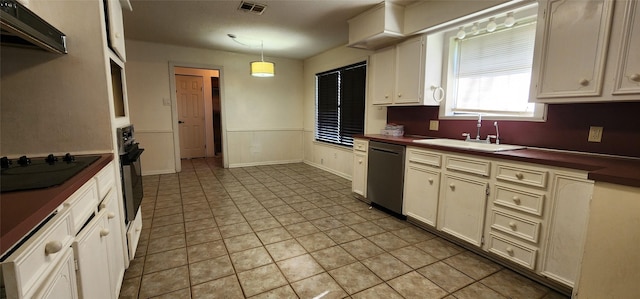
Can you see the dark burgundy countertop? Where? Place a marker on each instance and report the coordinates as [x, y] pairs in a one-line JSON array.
[[616, 170], [22, 211]]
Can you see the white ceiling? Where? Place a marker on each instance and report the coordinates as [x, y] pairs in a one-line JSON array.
[[295, 29]]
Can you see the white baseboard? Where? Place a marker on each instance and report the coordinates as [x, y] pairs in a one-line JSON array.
[[157, 172], [262, 163]]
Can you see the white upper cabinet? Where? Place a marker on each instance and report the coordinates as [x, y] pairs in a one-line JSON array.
[[116, 27], [399, 74], [627, 77], [571, 48]]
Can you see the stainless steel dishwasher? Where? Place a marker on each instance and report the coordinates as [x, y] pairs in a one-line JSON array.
[[385, 176]]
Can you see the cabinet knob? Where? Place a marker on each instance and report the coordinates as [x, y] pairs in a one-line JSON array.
[[635, 77], [103, 206], [509, 250], [516, 200], [359, 161], [512, 225], [52, 247], [452, 186], [584, 82], [118, 35], [399, 95], [519, 175], [104, 232], [386, 96], [430, 181], [111, 215]]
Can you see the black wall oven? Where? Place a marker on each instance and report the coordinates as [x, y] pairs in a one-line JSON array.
[[131, 170]]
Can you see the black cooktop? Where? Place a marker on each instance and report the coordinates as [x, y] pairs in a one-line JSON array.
[[38, 173]]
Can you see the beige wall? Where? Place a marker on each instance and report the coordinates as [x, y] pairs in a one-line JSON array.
[[262, 117], [611, 260], [333, 158], [53, 103]]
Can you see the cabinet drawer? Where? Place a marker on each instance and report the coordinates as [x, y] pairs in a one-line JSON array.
[[82, 204], [468, 165], [516, 226], [522, 175], [424, 157], [105, 179], [524, 201], [26, 269], [513, 251], [360, 145]]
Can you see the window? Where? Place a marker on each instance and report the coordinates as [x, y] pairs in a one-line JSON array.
[[490, 72], [340, 103]]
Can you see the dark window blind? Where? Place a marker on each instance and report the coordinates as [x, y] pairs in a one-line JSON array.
[[340, 104]]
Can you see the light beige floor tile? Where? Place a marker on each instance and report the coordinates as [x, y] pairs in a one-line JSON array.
[[477, 291], [413, 257], [302, 229], [348, 218], [165, 260], [327, 223], [264, 223], [167, 220], [285, 249], [380, 291], [179, 294], [283, 292], [368, 228], [439, 248], [413, 235], [473, 265], [261, 279], [414, 285], [315, 241], [257, 214], [206, 251], [333, 257], [222, 288], [386, 266], [162, 282], [355, 277], [319, 286], [229, 219], [513, 285], [201, 224], [392, 223], [299, 267], [343, 234], [314, 214], [166, 243], [362, 249], [242, 242], [233, 230], [251, 258], [130, 287], [388, 241], [274, 235], [203, 236], [210, 269], [446, 276], [136, 266], [291, 218]]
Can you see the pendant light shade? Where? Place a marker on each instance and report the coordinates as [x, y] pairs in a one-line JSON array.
[[262, 68]]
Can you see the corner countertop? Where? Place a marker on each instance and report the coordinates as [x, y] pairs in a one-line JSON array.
[[609, 169], [22, 211]]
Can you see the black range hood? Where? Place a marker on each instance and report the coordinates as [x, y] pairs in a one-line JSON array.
[[21, 27]]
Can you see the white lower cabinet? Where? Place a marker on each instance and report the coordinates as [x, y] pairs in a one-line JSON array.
[[462, 207], [62, 282], [91, 250], [115, 242], [360, 162], [569, 216], [422, 185]]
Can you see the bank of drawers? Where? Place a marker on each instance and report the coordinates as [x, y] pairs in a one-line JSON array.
[[517, 215]]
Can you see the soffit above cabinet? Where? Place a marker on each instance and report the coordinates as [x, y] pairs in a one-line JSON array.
[[378, 27]]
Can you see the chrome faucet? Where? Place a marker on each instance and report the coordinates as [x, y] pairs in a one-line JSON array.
[[479, 125], [495, 124], [488, 139]]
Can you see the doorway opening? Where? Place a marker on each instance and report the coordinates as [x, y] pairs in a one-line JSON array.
[[197, 112]]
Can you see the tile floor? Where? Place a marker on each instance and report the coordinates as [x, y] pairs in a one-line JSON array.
[[294, 231]]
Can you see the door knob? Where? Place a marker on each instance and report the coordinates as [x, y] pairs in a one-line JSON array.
[[180, 122]]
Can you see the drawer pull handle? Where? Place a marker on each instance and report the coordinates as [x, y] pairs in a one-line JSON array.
[[512, 225], [52, 247], [111, 215], [430, 181], [584, 82], [635, 77], [452, 186], [510, 250], [399, 95], [519, 175], [516, 200], [104, 232], [103, 206]]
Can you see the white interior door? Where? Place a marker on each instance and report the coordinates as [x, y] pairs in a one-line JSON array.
[[191, 116]]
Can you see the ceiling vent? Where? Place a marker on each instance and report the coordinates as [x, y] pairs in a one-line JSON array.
[[254, 8]]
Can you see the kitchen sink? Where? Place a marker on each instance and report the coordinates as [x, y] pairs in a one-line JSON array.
[[474, 146]]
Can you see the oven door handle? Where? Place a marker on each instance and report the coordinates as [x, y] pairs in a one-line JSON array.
[[132, 156]]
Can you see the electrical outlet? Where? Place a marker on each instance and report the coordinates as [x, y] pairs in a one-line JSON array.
[[595, 134], [433, 125]]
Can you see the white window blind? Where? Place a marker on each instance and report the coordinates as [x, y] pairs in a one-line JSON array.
[[492, 72]]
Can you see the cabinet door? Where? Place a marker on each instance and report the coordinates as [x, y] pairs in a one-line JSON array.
[[359, 179], [410, 71], [571, 45], [115, 241], [421, 188], [383, 76], [62, 282], [567, 228], [627, 79], [92, 257], [116, 28], [462, 208]]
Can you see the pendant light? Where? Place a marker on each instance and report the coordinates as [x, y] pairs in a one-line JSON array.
[[262, 68]]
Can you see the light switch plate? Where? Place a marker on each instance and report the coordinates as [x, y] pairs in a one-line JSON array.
[[433, 125], [595, 134]]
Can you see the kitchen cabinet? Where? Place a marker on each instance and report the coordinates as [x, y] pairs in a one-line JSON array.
[[422, 185], [91, 252], [463, 197], [398, 75], [568, 221], [359, 178], [571, 48], [115, 27], [627, 76], [115, 242], [62, 283]]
